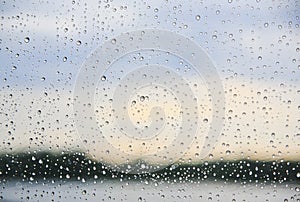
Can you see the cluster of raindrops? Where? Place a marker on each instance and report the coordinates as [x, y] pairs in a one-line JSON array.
[[255, 48]]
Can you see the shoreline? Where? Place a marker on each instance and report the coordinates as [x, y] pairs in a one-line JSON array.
[[77, 166]]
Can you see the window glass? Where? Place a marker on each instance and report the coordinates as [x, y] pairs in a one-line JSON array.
[[117, 100]]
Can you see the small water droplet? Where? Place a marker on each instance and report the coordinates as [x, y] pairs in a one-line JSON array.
[[26, 39], [103, 78], [113, 41], [142, 98]]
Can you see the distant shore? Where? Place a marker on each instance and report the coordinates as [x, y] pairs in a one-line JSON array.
[[77, 166]]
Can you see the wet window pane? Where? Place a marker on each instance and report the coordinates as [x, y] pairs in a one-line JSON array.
[[150, 101]]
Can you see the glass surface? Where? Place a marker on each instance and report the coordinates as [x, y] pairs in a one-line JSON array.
[[150, 101]]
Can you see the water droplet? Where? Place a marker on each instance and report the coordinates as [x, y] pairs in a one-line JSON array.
[[103, 78], [198, 17], [142, 98], [113, 41], [26, 39]]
